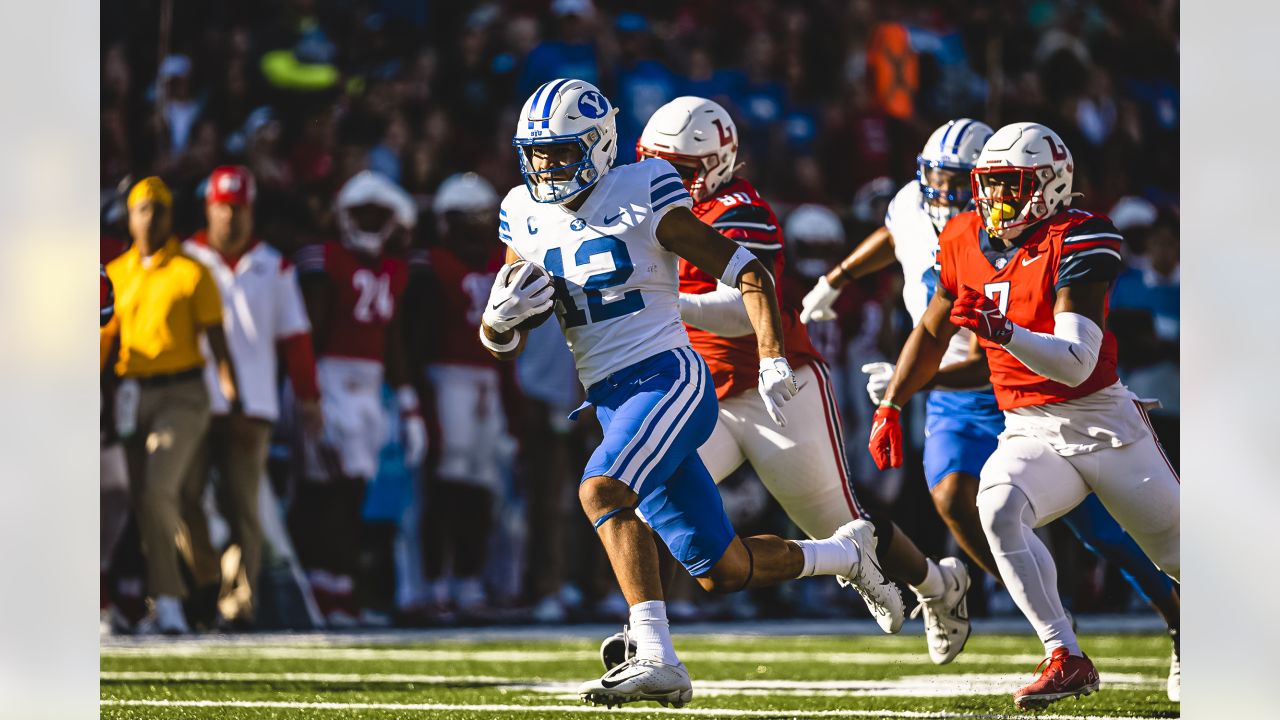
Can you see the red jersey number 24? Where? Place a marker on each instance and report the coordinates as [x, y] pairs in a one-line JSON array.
[[373, 300]]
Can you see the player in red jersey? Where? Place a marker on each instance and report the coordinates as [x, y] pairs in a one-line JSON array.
[[1030, 276], [352, 289], [802, 463], [449, 294]]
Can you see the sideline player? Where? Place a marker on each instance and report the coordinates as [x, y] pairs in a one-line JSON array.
[[466, 384], [612, 238], [1030, 277], [963, 420], [802, 463], [352, 290]]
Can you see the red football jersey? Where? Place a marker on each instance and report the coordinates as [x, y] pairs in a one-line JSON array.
[[458, 297], [1072, 246], [366, 294], [739, 213]]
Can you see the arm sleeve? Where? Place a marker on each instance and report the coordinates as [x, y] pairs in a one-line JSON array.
[[206, 301], [291, 314], [1067, 356], [720, 311]]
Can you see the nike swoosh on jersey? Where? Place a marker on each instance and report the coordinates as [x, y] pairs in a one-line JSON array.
[[611, 220], [1028, 261]]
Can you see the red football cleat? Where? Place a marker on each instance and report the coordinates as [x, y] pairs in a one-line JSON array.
[[1066, 676]]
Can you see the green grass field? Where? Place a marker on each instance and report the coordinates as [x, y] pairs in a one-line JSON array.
[[734, 676]]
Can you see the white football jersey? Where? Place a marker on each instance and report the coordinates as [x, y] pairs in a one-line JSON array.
[[618, 288], [915, 243]]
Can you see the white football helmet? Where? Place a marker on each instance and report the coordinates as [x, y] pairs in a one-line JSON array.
[[953, 147], [370, 188], [466, 193], [815, 235], [566, 111], [698, 137], [1023, 176]]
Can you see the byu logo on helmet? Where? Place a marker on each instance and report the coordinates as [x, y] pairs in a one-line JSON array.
[[566, 139], [592, 104]]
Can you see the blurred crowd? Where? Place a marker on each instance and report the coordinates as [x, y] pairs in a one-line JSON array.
[[833, 101]]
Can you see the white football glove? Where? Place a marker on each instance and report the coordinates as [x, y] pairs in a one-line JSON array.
[[413, 429], [510, 304], [878, 376], [817, 303], [777, 386]]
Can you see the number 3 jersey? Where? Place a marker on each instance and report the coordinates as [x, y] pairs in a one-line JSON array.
[[1072, 246], [366, 292], [616, 286]]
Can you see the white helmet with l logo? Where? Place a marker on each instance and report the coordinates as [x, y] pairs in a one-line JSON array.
[[566, 111], [698, 137], [1023, 176]]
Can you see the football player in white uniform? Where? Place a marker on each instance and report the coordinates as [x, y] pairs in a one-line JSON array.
[[611, 239]]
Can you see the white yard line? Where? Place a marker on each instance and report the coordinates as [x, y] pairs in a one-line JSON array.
[[958, 685], [1147, 623], [699, 712], [224, 652]]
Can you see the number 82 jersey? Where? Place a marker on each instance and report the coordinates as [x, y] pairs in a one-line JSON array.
[[617, 288]]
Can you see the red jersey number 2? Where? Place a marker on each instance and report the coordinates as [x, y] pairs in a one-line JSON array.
[[999, 292], [373, 302]]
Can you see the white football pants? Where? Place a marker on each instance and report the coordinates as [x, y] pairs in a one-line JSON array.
[[1026, 484], [802, 465]]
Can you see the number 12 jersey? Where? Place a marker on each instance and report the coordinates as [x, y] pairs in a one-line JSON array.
[[616, 286]]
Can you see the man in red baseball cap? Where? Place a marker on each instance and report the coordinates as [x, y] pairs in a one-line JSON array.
[[262, 308]]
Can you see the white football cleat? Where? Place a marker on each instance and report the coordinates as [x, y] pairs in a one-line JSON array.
[[946, 617], [640, 679], [882, 597], [1175, 675]]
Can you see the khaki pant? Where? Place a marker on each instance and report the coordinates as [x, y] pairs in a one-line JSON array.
[[236, 447], [171, 423]]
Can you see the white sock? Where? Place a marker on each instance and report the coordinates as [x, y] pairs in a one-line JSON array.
[[830, 556], [652, 633], [933, 585]]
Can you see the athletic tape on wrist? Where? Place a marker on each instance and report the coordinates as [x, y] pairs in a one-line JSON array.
[[500, 347], [890, 404], [740, 258]]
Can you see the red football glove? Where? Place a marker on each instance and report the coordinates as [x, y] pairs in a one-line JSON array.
[[980, 314], [886, 438]]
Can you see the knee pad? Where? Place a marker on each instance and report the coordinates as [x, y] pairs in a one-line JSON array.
[[1005, 511]]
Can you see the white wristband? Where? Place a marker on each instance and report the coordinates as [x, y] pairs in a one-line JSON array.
[[740, 258], [500, 347]]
